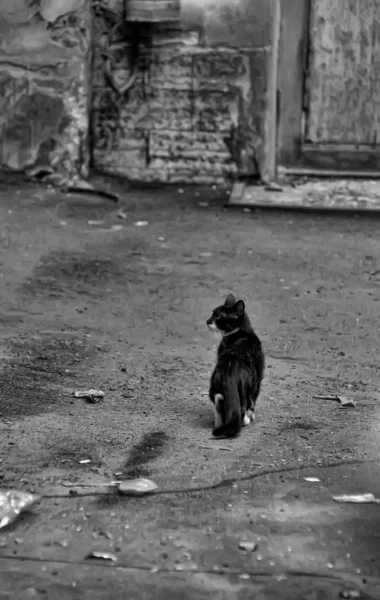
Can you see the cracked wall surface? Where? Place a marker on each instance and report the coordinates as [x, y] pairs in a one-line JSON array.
[[187, 103], [45, 48]]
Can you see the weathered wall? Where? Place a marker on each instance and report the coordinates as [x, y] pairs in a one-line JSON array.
[[197, 109], [44, 85]]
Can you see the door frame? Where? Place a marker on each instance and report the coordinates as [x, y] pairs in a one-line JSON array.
[[294, 155]]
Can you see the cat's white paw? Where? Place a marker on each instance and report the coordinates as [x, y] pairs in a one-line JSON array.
[[246, 420], [251, 415]]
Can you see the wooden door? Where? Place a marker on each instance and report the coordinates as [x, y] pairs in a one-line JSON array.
[[329, 86]]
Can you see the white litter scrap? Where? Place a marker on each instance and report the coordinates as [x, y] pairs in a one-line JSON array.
[[12, 503], [247, 546], [357, 499], [93, 396], [312, 479], [102, 555]]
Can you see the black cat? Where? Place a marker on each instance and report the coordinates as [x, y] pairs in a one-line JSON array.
[[236, 379]]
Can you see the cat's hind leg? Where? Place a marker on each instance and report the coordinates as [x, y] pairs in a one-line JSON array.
[[218, 400]]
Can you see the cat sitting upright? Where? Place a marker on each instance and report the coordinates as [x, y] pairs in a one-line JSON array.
[[236, 379]]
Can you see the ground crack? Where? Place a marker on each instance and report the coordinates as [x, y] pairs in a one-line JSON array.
[[224, 483]]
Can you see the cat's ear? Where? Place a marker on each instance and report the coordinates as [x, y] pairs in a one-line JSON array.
[[230, 300], [240, 307]]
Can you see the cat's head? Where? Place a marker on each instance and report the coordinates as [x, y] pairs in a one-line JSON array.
[[228, 316]]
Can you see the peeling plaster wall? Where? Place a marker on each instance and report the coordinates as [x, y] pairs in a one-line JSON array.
[[197, 107], [44, 85]]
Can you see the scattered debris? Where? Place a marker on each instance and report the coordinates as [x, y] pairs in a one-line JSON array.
[[102, 555], [343, 400], [247, 546], [141, 223], [161, 239], [121, 214], [205, 254], [85, 461], [93, 396], [12, 503], [137, 487], [94, 222], [357, 499], [312, 479], [203, 204], [117, 227]]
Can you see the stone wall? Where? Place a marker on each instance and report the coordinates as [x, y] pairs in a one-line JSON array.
[[187, 103], [45, 85]]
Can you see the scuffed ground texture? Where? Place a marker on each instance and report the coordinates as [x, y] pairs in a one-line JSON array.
[[93, 300], [44, 86]]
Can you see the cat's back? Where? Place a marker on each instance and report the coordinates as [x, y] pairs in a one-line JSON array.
[[244, 344]]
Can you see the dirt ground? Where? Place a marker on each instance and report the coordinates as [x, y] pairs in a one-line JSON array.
[[92, 300]]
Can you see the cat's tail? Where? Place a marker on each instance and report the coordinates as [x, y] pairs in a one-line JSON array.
[[229, 411]]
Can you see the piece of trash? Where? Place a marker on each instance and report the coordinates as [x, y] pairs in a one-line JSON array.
[[141, 223], [154, 570], [247, 546], [244, 576], [117, 228], [205, 254], [272, 186], [137, 487], [343, 400], [312, 479], [161, 239], [102, 555], [247, 210], [85, 461], [12, 503], [93, 396], [63, 223], [203, 204], [121, 214], [94, 222], [180, 191], [357, 499]]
